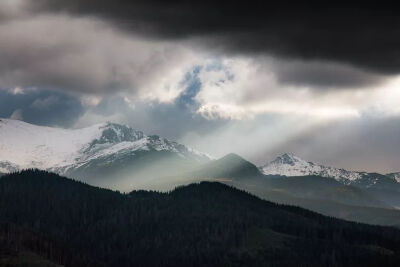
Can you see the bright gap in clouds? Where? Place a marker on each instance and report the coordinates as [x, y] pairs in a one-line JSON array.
[[242, 88]]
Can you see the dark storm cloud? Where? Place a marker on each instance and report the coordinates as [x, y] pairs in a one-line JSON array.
[[366, 36], [325, 75], [41, 107]]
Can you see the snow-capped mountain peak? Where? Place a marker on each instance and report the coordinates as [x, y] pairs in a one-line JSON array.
[[288, 159], [291, 165], [23, 145]]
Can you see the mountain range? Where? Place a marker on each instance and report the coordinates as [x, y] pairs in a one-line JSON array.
[[291, 165], [119, 157], [383, 186], [68, 152]]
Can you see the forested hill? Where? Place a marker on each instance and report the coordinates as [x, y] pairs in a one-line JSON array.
[[206, 224]]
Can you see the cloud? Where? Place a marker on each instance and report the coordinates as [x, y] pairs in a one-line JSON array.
[[325, 75], [10, 9], [45, 103], [143, 49], [41, 107], [87, 56], [242, 88], [172, 120], [364, 36]]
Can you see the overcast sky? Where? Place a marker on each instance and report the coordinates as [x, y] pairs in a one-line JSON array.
[[321, 82]]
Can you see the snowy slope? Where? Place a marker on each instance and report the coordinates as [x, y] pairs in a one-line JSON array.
[[24, 145], [291, 165]]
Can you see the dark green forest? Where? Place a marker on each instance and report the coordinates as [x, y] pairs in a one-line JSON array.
[[204, 224]]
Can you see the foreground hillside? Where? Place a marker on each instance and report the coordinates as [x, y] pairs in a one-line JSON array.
[[20, 246], [206, 224]]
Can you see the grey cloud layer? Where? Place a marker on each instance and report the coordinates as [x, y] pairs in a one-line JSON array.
[[324, 75], [80, 54], [366, 36]]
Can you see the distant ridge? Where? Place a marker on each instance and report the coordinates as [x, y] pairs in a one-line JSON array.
[[383, 187], [291, 165]]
